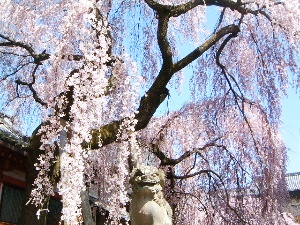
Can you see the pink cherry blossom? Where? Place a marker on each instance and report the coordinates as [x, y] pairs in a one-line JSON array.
[[93, 73]]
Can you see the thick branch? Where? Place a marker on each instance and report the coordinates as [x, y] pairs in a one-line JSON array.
[[172, 162], [184, 8], [157, 7], [108, 133], [103, 136], [166, 160], [177, 10], [162, 39], [230, 29], [152, 100], [148, 105], [157, 92]]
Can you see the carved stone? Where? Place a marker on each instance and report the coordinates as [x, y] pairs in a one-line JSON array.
[[148, 205]]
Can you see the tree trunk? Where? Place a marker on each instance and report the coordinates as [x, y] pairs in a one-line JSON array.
[[86, 209]]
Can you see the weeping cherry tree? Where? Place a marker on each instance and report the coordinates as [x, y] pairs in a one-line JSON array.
[[84, 79]]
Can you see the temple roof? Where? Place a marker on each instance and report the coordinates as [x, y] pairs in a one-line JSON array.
[[9, 136]]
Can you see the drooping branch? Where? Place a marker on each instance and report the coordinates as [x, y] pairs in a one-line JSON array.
[[222, 67], [235, 94], [215, 176]]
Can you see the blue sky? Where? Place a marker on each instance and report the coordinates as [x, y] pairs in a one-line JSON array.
[[290, 130]]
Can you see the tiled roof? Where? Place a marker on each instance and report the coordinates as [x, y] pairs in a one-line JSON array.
[[10, 136], [293, 181]]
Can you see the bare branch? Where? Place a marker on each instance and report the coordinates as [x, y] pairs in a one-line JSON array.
[[192, 175], [12, 43], [16, 71], [172, 162], [177, 10], [183, 8], [38, 58], [31, 88]]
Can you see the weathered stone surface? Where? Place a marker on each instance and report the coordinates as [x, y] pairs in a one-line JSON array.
[[148, 205]]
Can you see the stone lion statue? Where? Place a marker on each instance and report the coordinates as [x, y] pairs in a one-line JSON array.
[[148, 205]]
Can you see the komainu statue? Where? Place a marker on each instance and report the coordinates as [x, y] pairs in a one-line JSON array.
[[148, 205]]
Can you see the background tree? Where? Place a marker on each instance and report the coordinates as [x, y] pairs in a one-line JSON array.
[[93, 73]]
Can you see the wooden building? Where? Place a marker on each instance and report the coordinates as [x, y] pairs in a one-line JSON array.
[[12, 172]]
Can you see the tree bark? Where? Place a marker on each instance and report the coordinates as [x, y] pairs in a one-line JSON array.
[[86, 209]]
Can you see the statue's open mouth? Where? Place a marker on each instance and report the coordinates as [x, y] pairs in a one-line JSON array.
[[147, 183]]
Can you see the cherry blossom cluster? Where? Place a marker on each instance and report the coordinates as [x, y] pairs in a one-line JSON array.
[[84, 64]]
